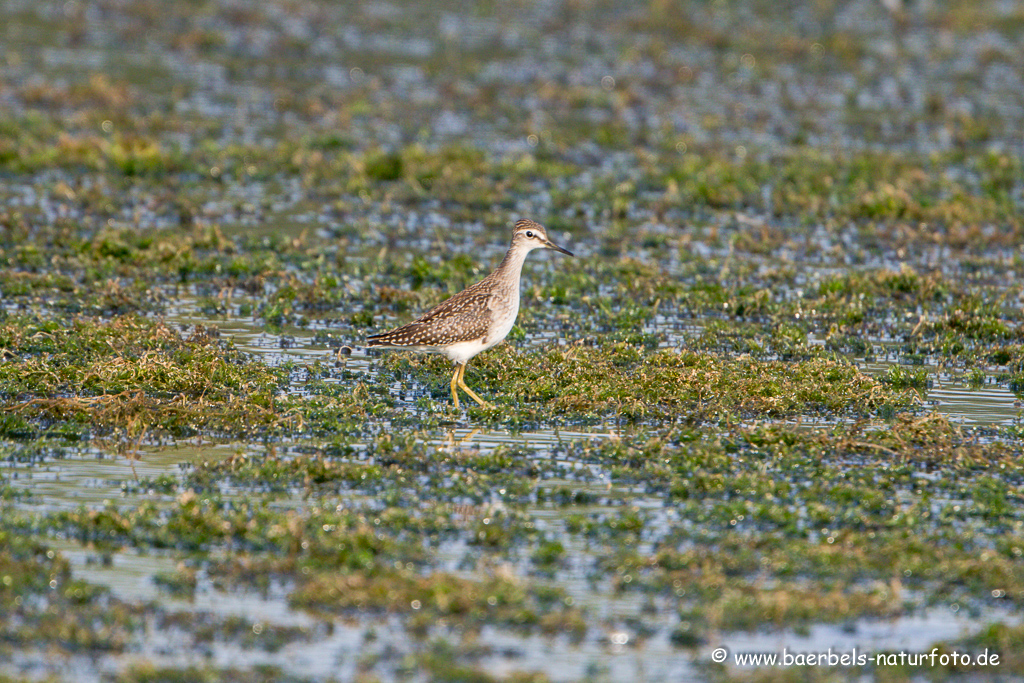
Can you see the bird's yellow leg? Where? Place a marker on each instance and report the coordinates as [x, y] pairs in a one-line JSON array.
[[472, 394], [455, 383]]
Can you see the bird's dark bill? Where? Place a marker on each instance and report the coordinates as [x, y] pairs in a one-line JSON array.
[[552, 245]]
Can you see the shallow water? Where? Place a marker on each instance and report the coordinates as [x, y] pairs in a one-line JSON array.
[[988, 404]]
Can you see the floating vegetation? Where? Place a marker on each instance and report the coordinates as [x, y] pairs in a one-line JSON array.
[[129, 374]]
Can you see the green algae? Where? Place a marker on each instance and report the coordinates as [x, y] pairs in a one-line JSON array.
[[440, 596], [148, 673], [623, 380], [440, 663], [130, 374]]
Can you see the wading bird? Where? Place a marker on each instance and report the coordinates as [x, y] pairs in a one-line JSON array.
[[476, 318]]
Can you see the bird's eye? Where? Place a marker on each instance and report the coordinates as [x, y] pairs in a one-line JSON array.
[[529, 233]]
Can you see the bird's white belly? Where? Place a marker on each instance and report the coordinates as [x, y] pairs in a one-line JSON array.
[[461, 352]]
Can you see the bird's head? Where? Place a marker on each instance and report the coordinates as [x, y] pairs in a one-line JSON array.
[[531, 235]]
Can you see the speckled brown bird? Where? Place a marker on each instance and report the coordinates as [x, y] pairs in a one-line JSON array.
[[476, 318]]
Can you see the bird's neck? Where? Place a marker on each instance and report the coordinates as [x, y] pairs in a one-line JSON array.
[[511, 267]]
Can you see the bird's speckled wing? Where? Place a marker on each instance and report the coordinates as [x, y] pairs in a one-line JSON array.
[[464, 317]]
